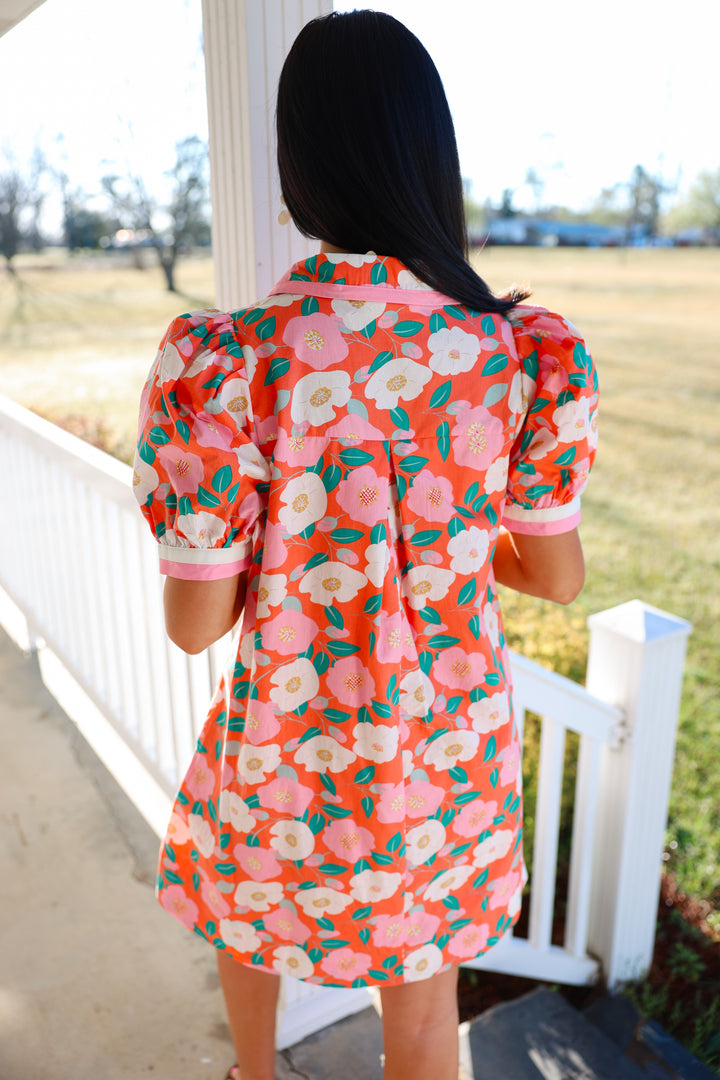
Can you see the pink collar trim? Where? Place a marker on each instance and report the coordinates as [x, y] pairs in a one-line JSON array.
[[385, 293]]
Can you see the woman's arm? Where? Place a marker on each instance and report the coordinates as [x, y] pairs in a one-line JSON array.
[[197, 613], [551, 567]]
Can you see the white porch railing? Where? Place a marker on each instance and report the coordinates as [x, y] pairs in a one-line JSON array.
[[77, 561]]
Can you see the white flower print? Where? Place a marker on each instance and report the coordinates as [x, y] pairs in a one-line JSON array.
[[378, 559], [272, 590], [234, 400], [332, 583], [423, 841], [492, 624], [447, 883], [357, 314], [239, 935], [294, 684], [522, 391], [278, 300], [145, 479], [234, 809], [250, 358], [370, 886], [259, 895], [407, 280], [375, 742], [572, 421], [351, 259], [493, 848], [496, 476], [416, 694], [201, 834], [203, 530], [247, 647], [399, 378], [292, 840], [292, 960], [469, 550], [543, 442], [324, 754], [489, 713], [422, 963], [305, 501], [450, 749], [322, 901], [424, 583], [453, 351], [254, 761], [316, 395]]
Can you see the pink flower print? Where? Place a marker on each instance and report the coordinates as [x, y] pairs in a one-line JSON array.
[[177, 831], [431, 497], [503, 889], [579, 470], [267, 430], [348, 841], [185, 470], [285, 796], [200, 780], [351, 682], [346, 965], [275, 550], [391, 804], [389, 932], [316, 340], [285, 924], [258, 864], [395, 639], [420, 927], [289, 633], [352, 429], [510, 764], [552, 375], [422, 798], [208, 431], [261, 723], [468, 941], [215, 900], [364, 495], [477, 438], [300, 449], [474, 818], [460, 670], [175, 900]]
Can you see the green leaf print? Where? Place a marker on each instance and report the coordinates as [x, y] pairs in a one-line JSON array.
[[492, 678], [481, 878], [494, 777], [378, 274], [443, 438], [159, 436], [353, 456], [183, 431], [227, 869], [306, 533], [390, 961], [565, 397], [534, 492], [346, 536], [466, 797], [381, 709], [309, 305], [539, 404], [454, 704], [222, 478], [430, 615], [172, 877], [496, 363], [578, 379], [368, 807], [412, 464], [336, 811], [328, 783], [467, 593], [531, 365], [213, 383], [317, 559], [407, 328], [279, 367], [474, 627], [321, 662], [380, 360], [310, 733], [361, 913], [146, 453], [364, 716], [456, 525], [456, 312], [373, 605], [442, 641], [394, 842], [266, 328], [332, 868], [437, 322], [451, 902], [331, 477], [380, 859], [364, 934], [334, 617], [364, 776], [488, 325], [425, 660], [379, 975], [428, 536], [342, 648], [458, 774], [369, 330], [580, 356], [326, 271], [400, 418], [316, 824], [336, 716], [441, 395], [252, 316]]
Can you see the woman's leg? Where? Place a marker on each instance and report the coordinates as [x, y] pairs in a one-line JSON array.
[[420, 1029], [251, 1000]]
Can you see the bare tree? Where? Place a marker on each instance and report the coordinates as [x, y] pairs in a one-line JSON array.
[[645, 193], [185, 212], [21, 200]]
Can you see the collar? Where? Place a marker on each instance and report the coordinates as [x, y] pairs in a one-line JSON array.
[[358, 277]]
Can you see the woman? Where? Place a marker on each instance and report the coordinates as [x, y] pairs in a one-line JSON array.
[[348, 467]]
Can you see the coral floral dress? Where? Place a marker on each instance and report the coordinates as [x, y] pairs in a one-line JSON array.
[[352, 814]]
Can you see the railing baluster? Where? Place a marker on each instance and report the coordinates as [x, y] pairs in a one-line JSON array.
[[547, 823], [583, 836]]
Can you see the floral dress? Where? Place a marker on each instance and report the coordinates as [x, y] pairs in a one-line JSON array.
[[352, 815]]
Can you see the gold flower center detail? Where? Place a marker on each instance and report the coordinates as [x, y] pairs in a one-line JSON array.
[[461, 668], [287, 633], [293, 685], [453, 750], [477, 440], [367, 495], [325, 755], [300, 503], [354, 681], [263, 594], [454, 354], [258, 896], [314, 340], [331, 584], [282, 796], [321, 395], [182, 467], [423, 841], [290, 840], [421, 588], [348, 840], [254, 763], [357, 303], [238, 404], [434, 495], [396, 383], [296, 442]]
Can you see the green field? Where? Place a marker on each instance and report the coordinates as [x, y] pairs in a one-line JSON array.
[[79, 336]]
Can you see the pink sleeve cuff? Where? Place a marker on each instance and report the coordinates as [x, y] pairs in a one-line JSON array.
[[548, 521], [204, 564]]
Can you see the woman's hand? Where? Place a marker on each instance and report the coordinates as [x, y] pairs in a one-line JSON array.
[[551, 567], [197, 613]]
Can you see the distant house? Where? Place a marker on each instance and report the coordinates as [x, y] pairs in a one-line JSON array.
[[543, 232]]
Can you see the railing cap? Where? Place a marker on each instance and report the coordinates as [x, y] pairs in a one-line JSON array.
[[640, 622]]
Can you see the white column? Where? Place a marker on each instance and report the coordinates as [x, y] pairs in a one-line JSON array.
[[636, 661], [245, 43]]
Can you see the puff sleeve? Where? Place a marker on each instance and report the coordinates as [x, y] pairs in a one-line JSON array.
[[555, 446], [199, 475]]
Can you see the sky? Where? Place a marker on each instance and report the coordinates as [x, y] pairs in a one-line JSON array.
[[580, 93]]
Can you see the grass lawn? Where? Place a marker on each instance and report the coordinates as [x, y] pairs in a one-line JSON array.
[[79, 335]]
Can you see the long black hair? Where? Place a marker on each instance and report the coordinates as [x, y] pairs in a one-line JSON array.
[[367, 153]]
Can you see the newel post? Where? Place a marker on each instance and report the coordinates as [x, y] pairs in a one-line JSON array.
[[636, 661]]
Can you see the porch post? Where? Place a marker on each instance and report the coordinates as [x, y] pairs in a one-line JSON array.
[[245, 43], [636, 661]]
